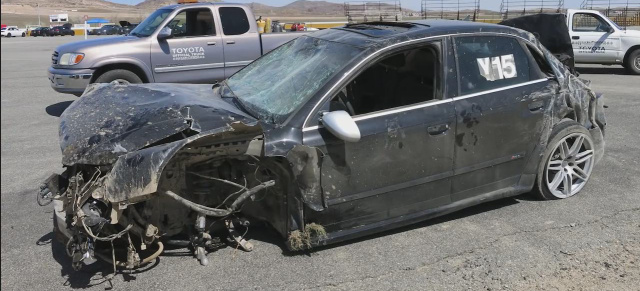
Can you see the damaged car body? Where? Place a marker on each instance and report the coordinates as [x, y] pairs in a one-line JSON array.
[[332, 136]]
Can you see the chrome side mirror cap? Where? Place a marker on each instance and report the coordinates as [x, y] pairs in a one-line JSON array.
[[340, 124], [165, 33]]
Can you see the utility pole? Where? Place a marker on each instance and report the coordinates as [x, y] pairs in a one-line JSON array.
[[38, 8]]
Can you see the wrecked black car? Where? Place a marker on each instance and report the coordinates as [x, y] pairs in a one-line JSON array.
[[334, 135]]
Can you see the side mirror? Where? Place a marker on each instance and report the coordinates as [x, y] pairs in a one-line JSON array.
[[340, 124], [165, 33]]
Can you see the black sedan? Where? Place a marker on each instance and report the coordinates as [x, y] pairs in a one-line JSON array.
[[41, 31], [107, 30], [62, 31], [334, 135]]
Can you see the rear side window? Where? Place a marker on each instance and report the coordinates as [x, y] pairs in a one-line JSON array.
[[234, 20], [490, 62]]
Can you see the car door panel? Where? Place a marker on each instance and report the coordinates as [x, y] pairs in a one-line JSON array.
[[188, 59], [396, 168], [240, 39], [591, 43]]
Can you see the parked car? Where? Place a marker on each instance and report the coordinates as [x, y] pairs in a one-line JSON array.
[[178, 44], [13, 31], [41, 31], [62, 31], [595, 38], [126, 27], [107, 30], [334, 135]]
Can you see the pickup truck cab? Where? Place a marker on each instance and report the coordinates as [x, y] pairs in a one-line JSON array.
[[598, 40], [182, 43]]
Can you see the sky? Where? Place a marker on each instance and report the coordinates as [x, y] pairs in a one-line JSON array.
[[411, 4]]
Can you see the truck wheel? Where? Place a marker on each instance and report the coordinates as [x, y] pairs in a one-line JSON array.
[[633, 62], [567, 162], [120, 76], [24, 34]]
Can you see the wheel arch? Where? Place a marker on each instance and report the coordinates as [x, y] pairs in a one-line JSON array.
[[136, 67], [629, 51]]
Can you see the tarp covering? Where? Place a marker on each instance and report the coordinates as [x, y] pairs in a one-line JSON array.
[[97, 20]]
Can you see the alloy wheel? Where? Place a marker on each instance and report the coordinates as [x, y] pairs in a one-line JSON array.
[[569, 166]]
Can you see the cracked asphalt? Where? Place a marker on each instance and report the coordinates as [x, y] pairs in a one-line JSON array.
[[588, 242]]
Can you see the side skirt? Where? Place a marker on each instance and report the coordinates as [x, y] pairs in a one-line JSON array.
[[342, 235]]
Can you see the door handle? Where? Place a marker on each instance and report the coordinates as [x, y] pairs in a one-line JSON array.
[[536, 106], [211, 43], [438, 129], [231, 41], [575, 37]]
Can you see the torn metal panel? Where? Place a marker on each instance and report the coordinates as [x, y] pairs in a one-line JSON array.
[[135, 116], [306, 163]]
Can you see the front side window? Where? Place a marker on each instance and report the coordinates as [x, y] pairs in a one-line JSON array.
[[192, 23], [490, 62], [403, 78], [589, 22], [234, 20], [278, 83]]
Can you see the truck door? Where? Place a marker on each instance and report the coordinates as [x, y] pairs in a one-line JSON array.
[[240, 37], [194, 53], [594, 40]]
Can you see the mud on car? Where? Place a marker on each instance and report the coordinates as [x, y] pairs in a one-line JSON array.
[[332, 136]]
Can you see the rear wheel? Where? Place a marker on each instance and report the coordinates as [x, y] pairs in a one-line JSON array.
[[24, 34], [73, 33], [119, 76], [8, 34], [632, 64], [567, 163]]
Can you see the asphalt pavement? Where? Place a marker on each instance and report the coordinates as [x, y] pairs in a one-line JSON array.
[[588, 242]]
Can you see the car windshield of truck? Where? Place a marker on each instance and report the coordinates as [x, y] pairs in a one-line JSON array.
[[275, 85], [151, 23]]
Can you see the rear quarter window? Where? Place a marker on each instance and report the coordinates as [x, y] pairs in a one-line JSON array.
[[490, 62], [234, 20]]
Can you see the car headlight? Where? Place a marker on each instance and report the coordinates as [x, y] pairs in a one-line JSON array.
[[70, 59]]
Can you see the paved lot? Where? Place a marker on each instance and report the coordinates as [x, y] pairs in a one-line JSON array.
[[588, 242]]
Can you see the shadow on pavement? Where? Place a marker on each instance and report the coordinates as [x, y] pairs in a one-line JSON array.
[[96, 274], [57, 109], [608, 70]]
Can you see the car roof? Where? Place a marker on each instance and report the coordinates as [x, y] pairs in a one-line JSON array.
[[203, 4], [388, 33]]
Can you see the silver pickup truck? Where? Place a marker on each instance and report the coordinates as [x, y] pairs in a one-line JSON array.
[[183, 43]]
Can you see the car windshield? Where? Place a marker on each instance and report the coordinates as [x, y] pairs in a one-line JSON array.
[[275, 85], [151, 23]]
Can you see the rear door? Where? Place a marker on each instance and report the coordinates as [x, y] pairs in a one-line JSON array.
[[592, 40], [194, 53], [240, 38], [500, 113]]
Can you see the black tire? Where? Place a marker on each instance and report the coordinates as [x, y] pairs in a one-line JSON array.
[[560, 131], [73, 33], [632, 64], [24, 34], [119, 74], [8, 34]]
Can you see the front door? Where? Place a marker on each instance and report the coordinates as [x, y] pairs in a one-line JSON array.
[[593, 41], [404, 160], [194, 53], [500, 113]]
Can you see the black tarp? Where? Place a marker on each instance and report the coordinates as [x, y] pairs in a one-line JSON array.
[[552, 32]]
